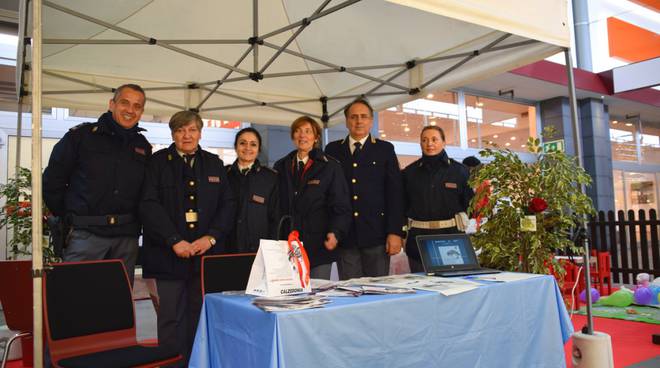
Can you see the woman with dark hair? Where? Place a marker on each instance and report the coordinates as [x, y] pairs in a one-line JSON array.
[[436, 190], [314, 193], [256, 189]]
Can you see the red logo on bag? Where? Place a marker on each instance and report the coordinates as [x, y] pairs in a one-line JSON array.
[[300, 256]]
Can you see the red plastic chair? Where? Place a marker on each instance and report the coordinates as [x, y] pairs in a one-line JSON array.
[[16, 299], [569, 281], [601, 271], [90, 318]]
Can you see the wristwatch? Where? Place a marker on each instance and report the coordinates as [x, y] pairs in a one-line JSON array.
[[211, 240]]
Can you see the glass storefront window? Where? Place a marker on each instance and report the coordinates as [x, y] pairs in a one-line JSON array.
[[622, 137], [635, 191], [649, 142], [505, 124], [405, 122]]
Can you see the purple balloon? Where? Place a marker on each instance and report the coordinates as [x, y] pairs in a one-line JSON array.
[[595, 295], [643, 295]]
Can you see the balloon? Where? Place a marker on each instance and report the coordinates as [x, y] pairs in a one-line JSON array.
[[620, 298], [595, 295], [656, 294], [643, 296]]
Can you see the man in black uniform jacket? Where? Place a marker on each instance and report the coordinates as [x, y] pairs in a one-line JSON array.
[[94, 179], [374, 179], [187, 209]]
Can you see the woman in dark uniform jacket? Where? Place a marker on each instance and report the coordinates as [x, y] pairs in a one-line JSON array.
[[436, 189], [314, 193], [256, 190]]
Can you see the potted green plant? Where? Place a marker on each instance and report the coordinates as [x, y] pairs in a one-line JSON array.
[[530, 208], [16, 216]]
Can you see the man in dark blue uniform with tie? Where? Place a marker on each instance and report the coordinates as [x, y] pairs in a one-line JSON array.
[[374, 179]]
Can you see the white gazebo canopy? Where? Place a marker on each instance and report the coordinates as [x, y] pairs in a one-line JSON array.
[[270, 61]]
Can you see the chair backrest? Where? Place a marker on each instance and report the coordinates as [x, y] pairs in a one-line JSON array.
[[88, 307], [16, 294], [224, 272]]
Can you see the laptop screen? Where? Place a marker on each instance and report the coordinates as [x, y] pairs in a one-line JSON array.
[[446, 252]]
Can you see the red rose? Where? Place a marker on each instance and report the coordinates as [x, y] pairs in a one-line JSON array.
[[537, 205]]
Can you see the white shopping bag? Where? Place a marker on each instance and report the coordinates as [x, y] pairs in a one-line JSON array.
[[281, 267]]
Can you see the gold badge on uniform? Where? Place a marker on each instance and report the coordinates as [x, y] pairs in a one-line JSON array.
[[451, 185], [314, 182], [258, 199], [214, 179], [140, 151]]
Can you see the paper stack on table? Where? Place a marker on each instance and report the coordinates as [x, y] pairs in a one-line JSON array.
[[289, 302], [442, 285]]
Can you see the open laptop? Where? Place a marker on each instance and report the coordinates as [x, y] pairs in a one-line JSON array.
[[449, 255]]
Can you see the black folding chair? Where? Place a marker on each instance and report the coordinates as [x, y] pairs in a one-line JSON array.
[[225, 272], [90, 318]]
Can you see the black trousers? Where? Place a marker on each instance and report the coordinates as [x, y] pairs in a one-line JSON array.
[[178, 314]]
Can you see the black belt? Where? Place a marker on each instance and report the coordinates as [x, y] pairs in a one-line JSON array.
[[106, 220]]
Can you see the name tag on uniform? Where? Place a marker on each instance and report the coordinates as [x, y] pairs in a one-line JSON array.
[[214, 179], [451, 185], [314, 182], [258, 199], [140, 151]]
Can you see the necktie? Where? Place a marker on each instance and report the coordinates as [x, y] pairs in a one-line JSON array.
[[299, 172], [188, 159], [357, 146], [245, 170]]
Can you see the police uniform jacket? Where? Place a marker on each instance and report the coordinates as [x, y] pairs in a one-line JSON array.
[[318, 206], [257, 209], [97, 169], [436, 188], [376, 191], [163, 211]]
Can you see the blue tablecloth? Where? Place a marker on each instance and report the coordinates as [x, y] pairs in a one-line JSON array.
[[518, 324]]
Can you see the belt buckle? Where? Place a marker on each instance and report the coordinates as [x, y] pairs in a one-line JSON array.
[[191, 217], [111, 219]]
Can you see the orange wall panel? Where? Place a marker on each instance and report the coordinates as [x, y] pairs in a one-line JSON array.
[[631, 43]]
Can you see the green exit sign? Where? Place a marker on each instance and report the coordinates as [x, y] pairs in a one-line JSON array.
[[557, 145]]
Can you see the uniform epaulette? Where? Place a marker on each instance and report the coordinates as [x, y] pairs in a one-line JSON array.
[[327, 158], [228, 167], [79, 126], [269, 169]]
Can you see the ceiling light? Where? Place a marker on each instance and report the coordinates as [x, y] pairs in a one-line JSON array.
[[513, 138], [495, 136], [432, 122], [478, 103], [523, 146], [507, 144], [406, 129], [473, 141], [490, 142], [429, 96], [628, 124], [383, 135], [615, 122]]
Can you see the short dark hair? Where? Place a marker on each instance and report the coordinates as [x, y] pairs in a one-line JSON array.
[[434, 127], [132, 86], [183, 118], [305, 120], [247, 130], [471, 161], [362, 101]]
